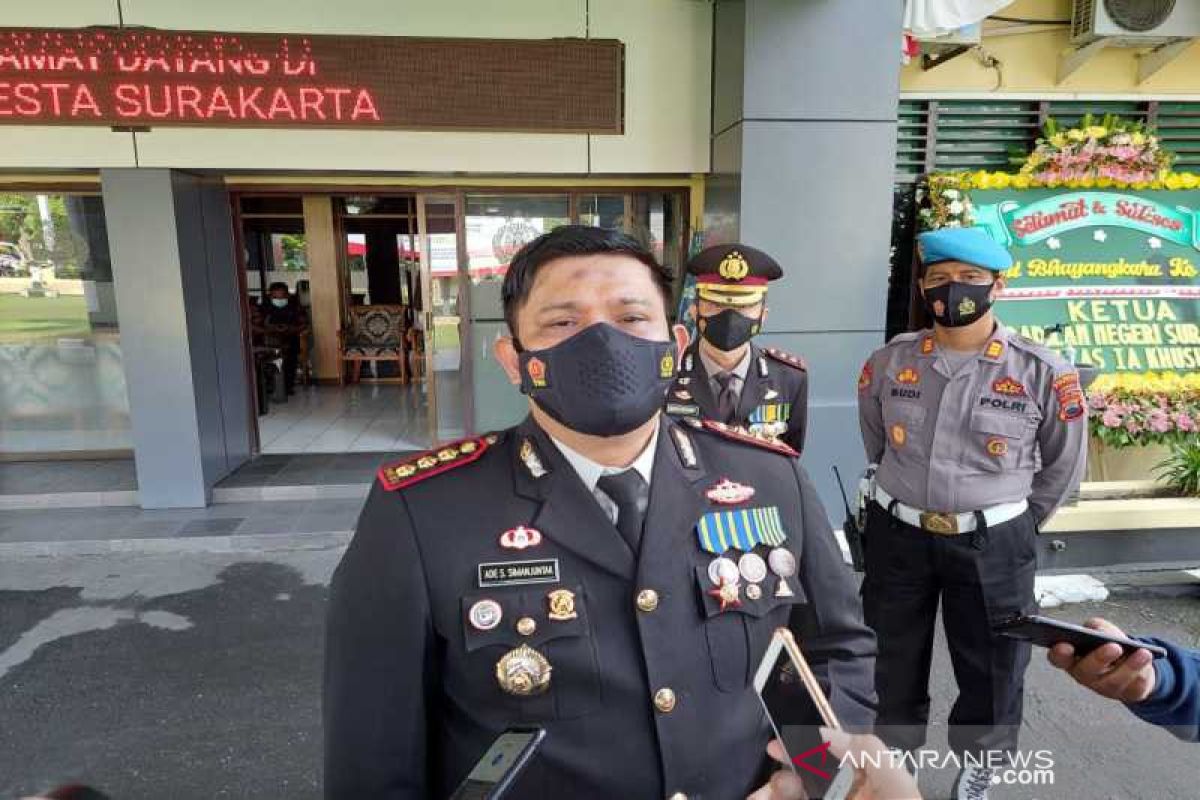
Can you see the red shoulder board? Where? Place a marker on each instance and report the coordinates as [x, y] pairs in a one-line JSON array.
[[786, 358], [742, 435], [414, 469]]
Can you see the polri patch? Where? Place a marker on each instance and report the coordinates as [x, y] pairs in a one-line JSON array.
[[518, 573]]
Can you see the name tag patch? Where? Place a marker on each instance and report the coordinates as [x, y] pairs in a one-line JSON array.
[[518, 573]]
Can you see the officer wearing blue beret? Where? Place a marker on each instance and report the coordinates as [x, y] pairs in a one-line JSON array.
[[979, 434]]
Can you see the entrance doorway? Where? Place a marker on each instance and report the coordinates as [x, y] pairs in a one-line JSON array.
[[353, 304]]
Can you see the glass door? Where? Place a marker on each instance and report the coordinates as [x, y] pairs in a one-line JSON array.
[[439, 319]]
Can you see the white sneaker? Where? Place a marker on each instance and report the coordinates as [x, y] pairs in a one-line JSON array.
[[972, 783]]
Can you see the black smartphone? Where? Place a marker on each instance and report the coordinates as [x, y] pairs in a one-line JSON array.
[[493, 774], [1047, 632], [796, 708]]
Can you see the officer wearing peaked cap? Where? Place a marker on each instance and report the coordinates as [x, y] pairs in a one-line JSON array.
[[725, 376], [599, 570], [979, 435]]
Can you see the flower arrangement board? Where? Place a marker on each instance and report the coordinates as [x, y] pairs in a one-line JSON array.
[[1119, 269]]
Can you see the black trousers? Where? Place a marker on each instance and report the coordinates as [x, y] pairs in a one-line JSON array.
[[980, 578]]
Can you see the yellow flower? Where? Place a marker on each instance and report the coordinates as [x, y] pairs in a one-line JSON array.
[[1096, 131], [1076, 135], [1104, 183], [1189, 180], [1088, 183], [1021, 182], [1174, 181], [1137, 139], [1059, 140], [981, 180], [1001, 180]]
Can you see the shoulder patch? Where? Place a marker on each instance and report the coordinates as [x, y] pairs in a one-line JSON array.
[[739, 434], [414, 469], [786, 358]]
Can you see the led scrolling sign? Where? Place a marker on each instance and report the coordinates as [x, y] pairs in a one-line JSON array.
[[127, 77]]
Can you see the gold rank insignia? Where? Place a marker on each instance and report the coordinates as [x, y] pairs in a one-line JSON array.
[[994, 349], [399, 474], [523, 671], [562, 605], [927, 345], [733, 267]]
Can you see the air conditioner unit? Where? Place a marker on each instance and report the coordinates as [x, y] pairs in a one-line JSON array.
[[1134, 23]]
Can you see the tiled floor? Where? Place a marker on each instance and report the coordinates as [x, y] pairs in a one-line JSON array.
[[353, 419], [314, 469]]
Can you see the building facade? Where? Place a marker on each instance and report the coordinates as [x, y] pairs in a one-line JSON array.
[[133, 254]]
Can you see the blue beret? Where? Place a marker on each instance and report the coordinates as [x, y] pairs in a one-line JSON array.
[[969, 245]]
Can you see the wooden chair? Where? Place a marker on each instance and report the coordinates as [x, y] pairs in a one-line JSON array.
[[372, 333]]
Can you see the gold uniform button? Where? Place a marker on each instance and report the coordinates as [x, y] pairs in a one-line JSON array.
[[526, 626], [647, 600], [664, 700]]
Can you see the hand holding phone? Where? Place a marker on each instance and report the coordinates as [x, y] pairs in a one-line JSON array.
[[1047, 632], [1129, 678], [796, 709]]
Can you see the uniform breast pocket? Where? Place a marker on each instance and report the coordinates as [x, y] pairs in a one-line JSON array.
[[904, 425], [738, 634], [560, 652], [997, 442]]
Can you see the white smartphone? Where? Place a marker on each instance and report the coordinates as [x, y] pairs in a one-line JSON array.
[[796, 707]]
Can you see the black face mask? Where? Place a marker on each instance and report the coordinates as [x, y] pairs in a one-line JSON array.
[[601, 381], [729, 329], [954, 304]]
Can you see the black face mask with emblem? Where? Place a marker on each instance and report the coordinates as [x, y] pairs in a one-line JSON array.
[[954, 304], [730, 329], [601, 381]]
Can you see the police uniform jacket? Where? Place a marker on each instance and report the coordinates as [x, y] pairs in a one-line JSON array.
[[412, 698], [773, 400], [1010, 426]]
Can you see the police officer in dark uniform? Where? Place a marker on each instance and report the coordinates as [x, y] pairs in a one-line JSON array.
[[599, 570], [724, 375], [979, 435]]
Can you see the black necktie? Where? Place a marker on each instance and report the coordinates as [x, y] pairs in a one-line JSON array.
[[630, 492], [726, 398]]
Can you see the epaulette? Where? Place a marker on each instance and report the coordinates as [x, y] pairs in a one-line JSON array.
[[786, 358], [414, 469], [742, 435], [1040, 351]]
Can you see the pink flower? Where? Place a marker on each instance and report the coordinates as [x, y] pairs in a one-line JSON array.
[[1184, 422], [1158, 421], [1133, 426], [1111, 418], [1097, 401]]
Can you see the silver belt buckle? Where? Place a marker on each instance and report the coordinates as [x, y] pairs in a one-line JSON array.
[[939, 523]]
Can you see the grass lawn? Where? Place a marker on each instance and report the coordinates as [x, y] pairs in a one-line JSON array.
[[30, 319]]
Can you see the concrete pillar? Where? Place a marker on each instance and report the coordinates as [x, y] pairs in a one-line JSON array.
[[805, 95], [171, 239], [321, 246]]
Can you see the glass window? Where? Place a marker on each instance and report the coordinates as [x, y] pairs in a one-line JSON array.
[[62, 383], [498, 225]]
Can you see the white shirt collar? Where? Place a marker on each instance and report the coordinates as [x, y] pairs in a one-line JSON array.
[[712, 367], [590, 472]]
